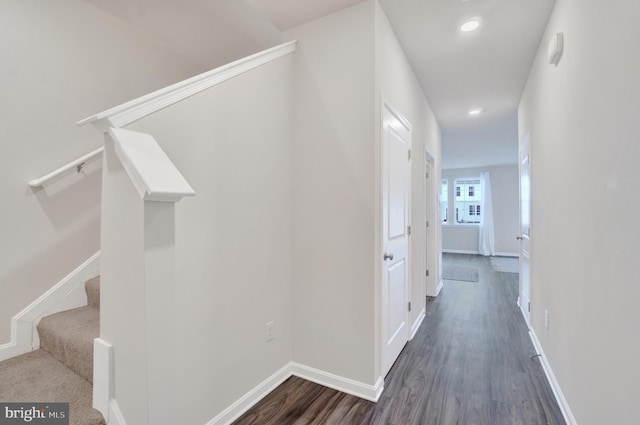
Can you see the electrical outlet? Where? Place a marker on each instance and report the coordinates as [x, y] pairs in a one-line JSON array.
[[269, 334], [546, 319]]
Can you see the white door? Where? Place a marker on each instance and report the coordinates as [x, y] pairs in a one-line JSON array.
[[396, 143], [525, 228]]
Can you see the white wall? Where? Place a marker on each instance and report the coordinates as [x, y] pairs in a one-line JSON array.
[[582, 118], [334, 193], [506, 204], [344, 63], [397, 82], [61, 62], [460, 239], [233, 144], [219, 31]]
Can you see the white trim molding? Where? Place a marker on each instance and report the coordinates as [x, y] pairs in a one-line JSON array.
[[136, 109], [440, 285], [115, 414], [417, 323], [247, 401], [339, 383], [507, 254], [460, 251], [326, 379], [103, 378], [67, 294], [553, 382]]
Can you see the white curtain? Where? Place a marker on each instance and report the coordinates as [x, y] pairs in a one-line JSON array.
[[486, 237]]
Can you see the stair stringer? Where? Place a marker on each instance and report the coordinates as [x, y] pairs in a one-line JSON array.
[[67, 294]]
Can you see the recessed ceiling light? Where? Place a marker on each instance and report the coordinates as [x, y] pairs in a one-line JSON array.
[[470, 25], [476, 111]]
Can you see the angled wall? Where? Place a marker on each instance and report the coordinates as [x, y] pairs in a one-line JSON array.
[[334, 193], [582, 120], [344, 64]]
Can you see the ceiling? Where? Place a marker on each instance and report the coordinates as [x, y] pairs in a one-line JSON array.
[[458, 71]]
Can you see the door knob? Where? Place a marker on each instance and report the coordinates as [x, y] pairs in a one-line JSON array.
[[388, 256], [519, 238]]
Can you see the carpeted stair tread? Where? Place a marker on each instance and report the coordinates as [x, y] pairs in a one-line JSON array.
[[39, 378], [69, 336], [92, 287]]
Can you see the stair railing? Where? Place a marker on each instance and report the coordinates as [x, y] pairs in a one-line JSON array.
[[140, 186], [77, 164]]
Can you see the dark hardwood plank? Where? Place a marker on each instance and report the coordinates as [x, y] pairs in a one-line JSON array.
[[468, 365]]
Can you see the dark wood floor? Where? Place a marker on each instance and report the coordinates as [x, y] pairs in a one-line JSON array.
[[468, 365]]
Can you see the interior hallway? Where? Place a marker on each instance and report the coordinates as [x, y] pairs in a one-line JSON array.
[[468, 364]]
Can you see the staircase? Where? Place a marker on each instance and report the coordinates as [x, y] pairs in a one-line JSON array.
[[62, 369]]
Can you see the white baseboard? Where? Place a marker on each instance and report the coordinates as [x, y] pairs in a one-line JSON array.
[[66, 294], [11, 349], [103, 377], [417, 323], [433, 292], [460, 251], [439, 288], [507, 254], [247, 401], [555, 386], [115, 414], [464, 251], [345, 385]]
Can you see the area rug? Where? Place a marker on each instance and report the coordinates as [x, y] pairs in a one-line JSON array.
[[465, 274], [505, 264]]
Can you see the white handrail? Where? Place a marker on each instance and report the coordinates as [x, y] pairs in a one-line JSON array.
[[77, 164], [128, 112]]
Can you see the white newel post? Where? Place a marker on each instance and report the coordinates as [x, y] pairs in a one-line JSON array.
[[135, 358], [136, 361], [160, 287]]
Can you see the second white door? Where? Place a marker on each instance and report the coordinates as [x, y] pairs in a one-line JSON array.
[[396, 145], [525, 228]]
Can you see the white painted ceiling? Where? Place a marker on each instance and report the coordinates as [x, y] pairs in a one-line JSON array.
[[458, 71], [487, 69]]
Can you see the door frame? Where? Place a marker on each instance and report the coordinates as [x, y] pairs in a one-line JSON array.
[[385, 104], [431, 192], [525, 145]]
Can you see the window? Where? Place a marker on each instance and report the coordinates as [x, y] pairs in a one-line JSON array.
[[444, 201], [467, 201]]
